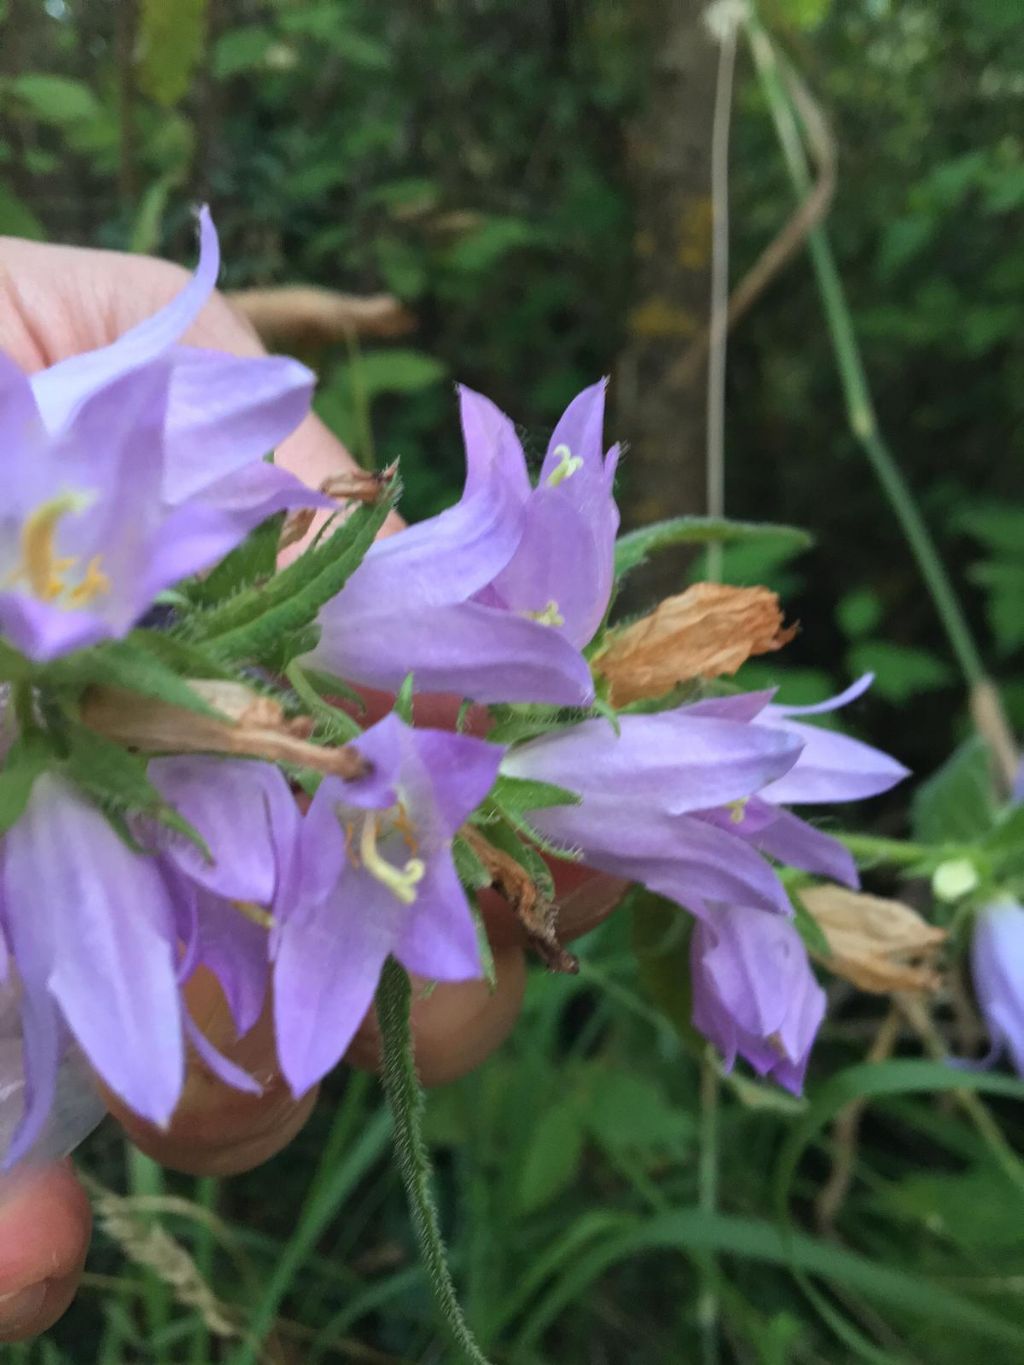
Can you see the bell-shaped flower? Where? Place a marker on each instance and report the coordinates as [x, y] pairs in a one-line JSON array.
[[642, 791], [247, 816], [91, 929], [997, 966], [374, 876], [133, 466], [754, 992], [831, 768], [494, 598]]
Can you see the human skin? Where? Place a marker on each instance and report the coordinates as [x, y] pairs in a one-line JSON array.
[[57, 301]]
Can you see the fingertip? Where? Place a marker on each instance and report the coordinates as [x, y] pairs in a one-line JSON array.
[[45, 1224]]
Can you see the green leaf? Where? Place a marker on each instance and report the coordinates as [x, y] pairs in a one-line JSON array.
[[118, 778], [515, 795], [333, 723], [809, 929], [128, 664], [17, 219], [858, 612], [186, 659], [552, 1155], [398, 370], [957, 803], [502, 834], [240, 50], [14, 667], [171, 36], [636, 547], [27, 757], [254, 559], [901, 671], [483, 246], [472, 873], [631, 1113], [661, 941], [254, 621], [56, 100], [403, 700]]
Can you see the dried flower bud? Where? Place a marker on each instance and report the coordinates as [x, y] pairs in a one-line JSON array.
[[705, 632], [879, 945]]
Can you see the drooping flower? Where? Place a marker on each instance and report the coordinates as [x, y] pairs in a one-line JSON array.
[[494, 598], [642, 791], [91, 927], [997, 965], [374, 876], [831, 768], [754, 992], [133, 466]]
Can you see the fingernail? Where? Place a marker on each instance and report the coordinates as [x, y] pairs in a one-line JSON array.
[[19, 1309]]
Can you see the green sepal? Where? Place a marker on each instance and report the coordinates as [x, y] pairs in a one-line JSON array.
[[515, 795], [251, 562], [502, 833], [117, 779], [403, 700], [332, 723], [28, 756], [130, 664], [471, 871]]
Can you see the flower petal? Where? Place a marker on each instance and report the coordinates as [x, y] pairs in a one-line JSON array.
[[60, 389], [227, 412], [831, 767]]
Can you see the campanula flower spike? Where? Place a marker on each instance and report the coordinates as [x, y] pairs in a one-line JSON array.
[[136, 465], [375, 877], [495, 598]]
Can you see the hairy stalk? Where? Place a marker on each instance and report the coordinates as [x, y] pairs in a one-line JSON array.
[[707, 1199], [859, 407], [406, 1102]]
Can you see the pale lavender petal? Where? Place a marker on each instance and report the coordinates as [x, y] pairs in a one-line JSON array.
[[251, 495], [236, 950], [997, 965], [226, 412], [493, 450], [106, 920], [742, 706], [468, 649], [436, 562], [41, 1049], [580, 431], [444, 776], [672, 759], [795, 842], [563, 566], [222, 1067], [832, 767], [851, 693], [60, 389], [326, 970], [45, 632], [439, 940], [226, 800], [27, 479]]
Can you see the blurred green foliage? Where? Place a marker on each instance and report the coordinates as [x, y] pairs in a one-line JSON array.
[[470, 156]]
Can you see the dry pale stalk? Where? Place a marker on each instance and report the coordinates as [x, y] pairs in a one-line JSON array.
[[305, 316], [876, 944], [248, 724], [705, 632]]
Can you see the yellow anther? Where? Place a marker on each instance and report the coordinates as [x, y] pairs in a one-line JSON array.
[[43, 569], [94, 584], [550, 616], [568, 463], [737, 810], [255, 913], [401, 882]]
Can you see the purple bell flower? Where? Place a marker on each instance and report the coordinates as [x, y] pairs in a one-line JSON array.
[[494, 598], [997, 965], [831, 768], [132, 467], [754, 993], [374, 876], [642, 794]]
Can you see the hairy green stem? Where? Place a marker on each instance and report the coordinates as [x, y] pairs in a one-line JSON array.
[[707, 1200], [405, 1099], [859, 407]]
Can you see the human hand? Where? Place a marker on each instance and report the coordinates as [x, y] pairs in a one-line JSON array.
[[57, 301]]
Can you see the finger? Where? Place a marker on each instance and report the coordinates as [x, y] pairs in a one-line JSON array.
[[456, 1026], [44, 1236], [216, 1129]]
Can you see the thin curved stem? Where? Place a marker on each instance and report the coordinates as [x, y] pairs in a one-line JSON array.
[[405, 1099]]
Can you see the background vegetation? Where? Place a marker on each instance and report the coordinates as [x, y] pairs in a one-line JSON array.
[[473, 157]]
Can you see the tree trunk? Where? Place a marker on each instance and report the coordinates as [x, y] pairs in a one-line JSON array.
[[661, 413]]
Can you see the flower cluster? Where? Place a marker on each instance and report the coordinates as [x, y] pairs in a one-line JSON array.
[[136, 468]]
